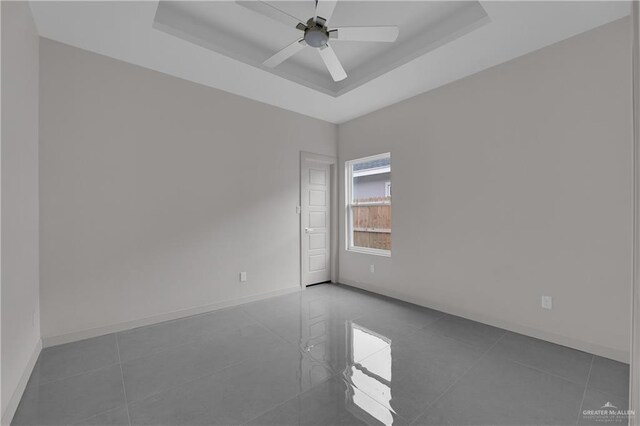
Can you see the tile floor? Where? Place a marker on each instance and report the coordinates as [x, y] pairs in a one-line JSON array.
[[327, 355]]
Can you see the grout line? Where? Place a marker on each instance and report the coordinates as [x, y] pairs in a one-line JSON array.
[[298, 347], [218, 371], [524, 364], [456, 340], [290, 399], [264, 326], [124, 388], [440, 318], [93, 370], [240, 308], [413, 422], [426, 327], [83, 420], [179, 385], [200, 314], [584, 394], [337, 375], [350, 383], [59, 379], [430, 328], [256, 322], [329, 377], [213, 373], [174, 346], [531, 367], [340, 373], [440, 335]]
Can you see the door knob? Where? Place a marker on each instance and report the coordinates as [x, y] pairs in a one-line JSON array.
[[308, 230]]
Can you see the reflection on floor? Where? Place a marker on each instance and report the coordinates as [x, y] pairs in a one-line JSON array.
[[327, 355]]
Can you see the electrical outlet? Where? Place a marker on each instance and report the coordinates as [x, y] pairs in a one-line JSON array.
[[547, 302], [243, 277], [372, 268], [298, 209]]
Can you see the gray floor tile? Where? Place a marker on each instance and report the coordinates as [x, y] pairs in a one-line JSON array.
[[312, 302], [290, 315], [288, 302], [555, 359], [148, 375], [399, 317], [334, 342], [599, 408], [145, 341], [234, 395], [413, 371], [70, 400], [355, 303], [498, 391], [327, 355], [334, 402], [297, 325], [609, 377], [66, 360], [473, 333], [411, 314], [116, 417]]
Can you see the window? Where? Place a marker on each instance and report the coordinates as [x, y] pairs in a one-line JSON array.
[[370, 375], [368, 197]]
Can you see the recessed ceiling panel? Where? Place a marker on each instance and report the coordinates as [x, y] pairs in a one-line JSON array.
[[248, 36]]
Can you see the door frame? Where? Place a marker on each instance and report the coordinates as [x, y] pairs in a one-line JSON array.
[[333, 211], [634, 361]]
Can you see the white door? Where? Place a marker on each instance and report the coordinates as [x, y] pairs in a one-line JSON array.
[[315, 188]]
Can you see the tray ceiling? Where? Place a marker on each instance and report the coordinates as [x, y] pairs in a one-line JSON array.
[[124, 30], [242, 34]]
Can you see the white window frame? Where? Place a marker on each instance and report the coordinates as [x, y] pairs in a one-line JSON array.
[[349, 206]]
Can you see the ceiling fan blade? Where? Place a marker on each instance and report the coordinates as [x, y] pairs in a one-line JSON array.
[[383, 34], [266, 9], [285, 54], [333, 63], [324, 10]]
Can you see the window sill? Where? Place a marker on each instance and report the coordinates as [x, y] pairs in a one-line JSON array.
[[371, 251]]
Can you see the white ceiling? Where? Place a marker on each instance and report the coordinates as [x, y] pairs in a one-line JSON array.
[[245, 35], [123, 30]]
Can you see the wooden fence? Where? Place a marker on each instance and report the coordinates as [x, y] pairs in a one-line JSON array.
[[372, 224]]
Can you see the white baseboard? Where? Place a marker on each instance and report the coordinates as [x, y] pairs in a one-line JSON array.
[[615, 354], [10, 411], [48, 341]]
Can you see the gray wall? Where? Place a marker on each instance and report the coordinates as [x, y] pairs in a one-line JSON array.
[[157, 192], [19, 230], [512, 184]]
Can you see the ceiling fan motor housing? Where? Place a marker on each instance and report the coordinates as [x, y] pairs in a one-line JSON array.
[[316, 35]]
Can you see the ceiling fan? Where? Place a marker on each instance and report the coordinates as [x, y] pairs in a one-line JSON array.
[[317, 34]]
